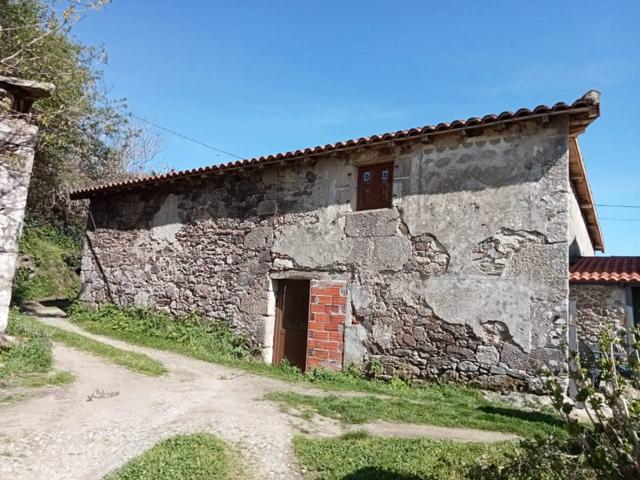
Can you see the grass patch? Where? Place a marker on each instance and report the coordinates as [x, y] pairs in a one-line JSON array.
[[134, 361], [446, 407], [361, 457], [48, 269], [11, 398], [57, 378], [186, 457], [28, 363]]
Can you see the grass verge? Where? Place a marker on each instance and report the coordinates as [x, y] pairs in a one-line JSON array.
[[137, 362], [446, 408], [29, 362], [185, 457], [357, 456]]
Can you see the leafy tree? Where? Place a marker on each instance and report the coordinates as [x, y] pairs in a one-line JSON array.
[[84, 136]]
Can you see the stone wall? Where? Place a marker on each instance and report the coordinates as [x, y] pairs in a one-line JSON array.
[[598, 306], [464, 278]]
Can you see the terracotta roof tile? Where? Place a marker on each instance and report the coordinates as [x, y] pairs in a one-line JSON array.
[[586, 107], [613, 270]]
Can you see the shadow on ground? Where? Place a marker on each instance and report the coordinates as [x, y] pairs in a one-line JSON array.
[[530, 416], [373, 473]]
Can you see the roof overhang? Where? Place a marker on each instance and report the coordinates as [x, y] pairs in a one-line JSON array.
[[580, 182]]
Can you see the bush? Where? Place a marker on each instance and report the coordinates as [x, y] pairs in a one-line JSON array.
[[543, 458], [612, 442], [49, 260]]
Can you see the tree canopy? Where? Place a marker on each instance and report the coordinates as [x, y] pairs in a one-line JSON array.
[[84, 135]]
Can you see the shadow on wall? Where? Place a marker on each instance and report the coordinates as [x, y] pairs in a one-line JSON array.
[[485, 163], [529, 416]]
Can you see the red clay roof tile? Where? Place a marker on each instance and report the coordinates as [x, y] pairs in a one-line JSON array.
[[612, 270]]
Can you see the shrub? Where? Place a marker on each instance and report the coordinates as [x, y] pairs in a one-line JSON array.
[[608, 446], [612, 442], [49, 259], [543, 458]]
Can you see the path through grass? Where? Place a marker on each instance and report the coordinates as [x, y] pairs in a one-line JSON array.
[[445, 405]]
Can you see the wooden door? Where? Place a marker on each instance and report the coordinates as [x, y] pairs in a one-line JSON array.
[[292, 322]]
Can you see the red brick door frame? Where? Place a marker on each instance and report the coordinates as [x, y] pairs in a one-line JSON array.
[[327, 316]]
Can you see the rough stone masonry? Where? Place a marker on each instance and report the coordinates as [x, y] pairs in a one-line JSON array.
[[17, 141], [464, 277]]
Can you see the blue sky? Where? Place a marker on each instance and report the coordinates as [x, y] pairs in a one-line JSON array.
[[256, 77]]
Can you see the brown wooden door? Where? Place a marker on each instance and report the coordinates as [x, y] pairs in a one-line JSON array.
[[292, 322], [375, 186]]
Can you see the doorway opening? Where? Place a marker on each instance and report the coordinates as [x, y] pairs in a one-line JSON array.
[[292, 322]]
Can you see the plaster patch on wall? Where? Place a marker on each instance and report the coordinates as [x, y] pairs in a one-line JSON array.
[[483, 301], [166, 223], [492, 254]]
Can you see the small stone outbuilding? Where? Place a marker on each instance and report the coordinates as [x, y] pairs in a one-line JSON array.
[[606, 292], [440, 252]]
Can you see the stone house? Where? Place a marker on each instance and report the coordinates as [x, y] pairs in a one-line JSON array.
[[604, 291], [436, 252]]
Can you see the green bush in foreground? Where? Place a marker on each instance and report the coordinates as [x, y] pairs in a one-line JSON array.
[[185, 457], [544, 458]]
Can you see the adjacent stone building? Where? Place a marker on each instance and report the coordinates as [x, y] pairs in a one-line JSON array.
[[606, 293], [440, 252], [17, 142]]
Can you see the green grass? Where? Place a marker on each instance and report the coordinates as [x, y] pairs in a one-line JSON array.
[[185, 457], [358, 456], [134, 361], [48, 272], [447, 407], [57, 378], [28, 364]]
